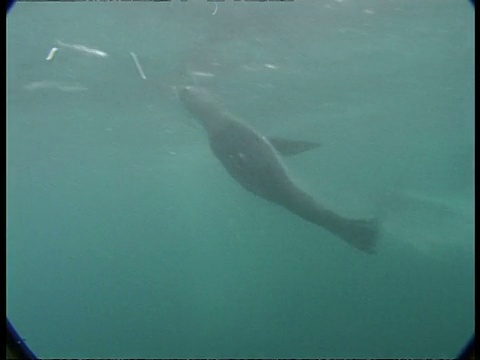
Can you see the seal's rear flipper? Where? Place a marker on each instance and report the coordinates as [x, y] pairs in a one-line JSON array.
[[292, 147], [361, 234]]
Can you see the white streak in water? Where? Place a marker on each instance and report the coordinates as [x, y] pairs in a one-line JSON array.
[[201, 74], [62, 86], [139, 67], [83, 49], [51, 54]]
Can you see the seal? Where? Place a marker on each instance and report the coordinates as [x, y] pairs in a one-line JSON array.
[[254, 162]]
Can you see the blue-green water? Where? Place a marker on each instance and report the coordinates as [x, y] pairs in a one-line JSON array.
[[126, 237]]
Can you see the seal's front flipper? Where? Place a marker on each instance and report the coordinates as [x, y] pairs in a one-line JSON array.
[[292, 147]]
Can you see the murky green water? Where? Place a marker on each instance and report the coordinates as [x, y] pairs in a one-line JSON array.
[[126, 237]]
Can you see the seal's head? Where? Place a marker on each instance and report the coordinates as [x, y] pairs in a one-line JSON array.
[[203, 105], [194, 96]]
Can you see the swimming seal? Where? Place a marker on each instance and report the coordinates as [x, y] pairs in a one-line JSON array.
[[254, 162]]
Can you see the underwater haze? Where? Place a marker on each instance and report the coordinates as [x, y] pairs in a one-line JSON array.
[[127, 238]]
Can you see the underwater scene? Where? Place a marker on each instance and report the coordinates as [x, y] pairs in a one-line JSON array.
[[241, 179]]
